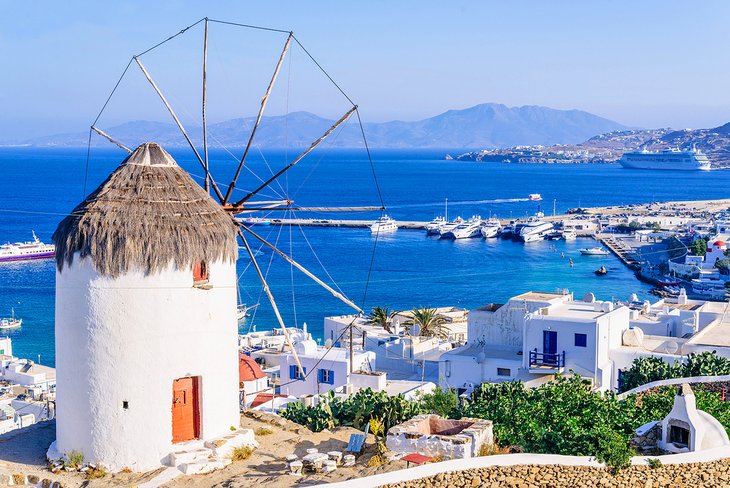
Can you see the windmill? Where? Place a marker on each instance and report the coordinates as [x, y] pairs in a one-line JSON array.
[[251, 201]]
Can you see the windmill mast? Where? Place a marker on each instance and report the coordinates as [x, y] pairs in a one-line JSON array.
[[206, 184]]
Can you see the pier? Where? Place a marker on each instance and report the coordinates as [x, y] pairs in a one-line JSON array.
[[627, 255], [402, 224]]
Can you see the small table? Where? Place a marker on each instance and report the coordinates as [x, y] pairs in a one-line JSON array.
[[416, 458]]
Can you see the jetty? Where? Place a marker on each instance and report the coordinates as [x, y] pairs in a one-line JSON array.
[[411, 224], [627, 255]]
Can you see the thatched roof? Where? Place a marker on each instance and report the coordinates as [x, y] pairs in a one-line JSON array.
[[148, 214]]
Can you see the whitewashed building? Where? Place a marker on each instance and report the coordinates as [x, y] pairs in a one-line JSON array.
[[146, 329]]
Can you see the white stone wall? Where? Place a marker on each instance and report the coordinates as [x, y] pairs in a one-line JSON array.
[[409, 437], [127, 339]]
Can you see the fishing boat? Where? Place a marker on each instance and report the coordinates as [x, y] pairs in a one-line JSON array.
[[534, 197], [21, 251], [383, 224], [669, 281], [601, 271], [11, 322], [242, 311], [491, 228], [593, 251]]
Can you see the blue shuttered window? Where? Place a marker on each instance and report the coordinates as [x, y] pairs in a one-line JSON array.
[[326, 376], [295, 373]]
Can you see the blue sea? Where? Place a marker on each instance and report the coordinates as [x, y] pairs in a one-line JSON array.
[[401, 270]]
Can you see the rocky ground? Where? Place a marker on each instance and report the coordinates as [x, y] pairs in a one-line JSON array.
[[715, 474]]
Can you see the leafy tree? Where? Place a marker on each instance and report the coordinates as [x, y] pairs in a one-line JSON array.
[[698, 247], [634, 225], [429, 322], [647, 369], [442, 402], [723, 265], [381, 316]]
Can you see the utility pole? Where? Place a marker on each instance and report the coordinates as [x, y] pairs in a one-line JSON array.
[[352, 350]]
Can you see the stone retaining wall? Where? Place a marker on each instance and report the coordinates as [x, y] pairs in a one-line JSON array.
[[696, 475]]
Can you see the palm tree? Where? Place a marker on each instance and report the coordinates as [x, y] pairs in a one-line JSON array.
[[429, 322], [381, 316]]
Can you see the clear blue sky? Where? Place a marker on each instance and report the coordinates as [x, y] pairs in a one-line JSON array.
[[646, 63]]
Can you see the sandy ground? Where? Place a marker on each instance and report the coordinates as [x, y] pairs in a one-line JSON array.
[[23, 451]]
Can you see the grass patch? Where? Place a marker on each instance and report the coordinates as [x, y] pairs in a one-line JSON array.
[[74, 459], [95, 473], [492, 449], [263, 431], [240, 453], [654, 463]]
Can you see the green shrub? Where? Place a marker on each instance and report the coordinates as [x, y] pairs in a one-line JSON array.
[[241, 452], [74, 459], [654, 463]]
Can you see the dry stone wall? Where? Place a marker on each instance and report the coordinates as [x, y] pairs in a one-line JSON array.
[[696, 475]]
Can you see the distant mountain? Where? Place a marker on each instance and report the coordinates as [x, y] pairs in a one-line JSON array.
[[608, 147], [487, 125]]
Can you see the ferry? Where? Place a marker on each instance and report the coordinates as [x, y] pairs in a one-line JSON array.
[[21, 251], [10, 323], [672, 159], [534, 197], [383, 224]]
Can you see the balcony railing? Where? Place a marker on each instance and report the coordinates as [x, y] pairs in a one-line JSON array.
[[547, 360]]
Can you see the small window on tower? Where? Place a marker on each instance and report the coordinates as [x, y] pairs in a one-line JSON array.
[[200, 273]]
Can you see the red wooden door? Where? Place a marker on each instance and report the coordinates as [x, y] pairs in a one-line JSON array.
[[185, 412]]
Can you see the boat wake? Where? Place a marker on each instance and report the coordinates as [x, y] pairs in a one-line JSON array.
[[462, 202]]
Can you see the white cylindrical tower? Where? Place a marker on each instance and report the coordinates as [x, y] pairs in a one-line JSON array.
[[146, 329]]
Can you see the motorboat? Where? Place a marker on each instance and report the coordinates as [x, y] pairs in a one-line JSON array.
[[21, 251], [535, 230], [508, 230], [669, 281], [534, 197], [491, 228], [242, 311], [465, 230], [593, 251], [569, 235], [11, 322], [434, 227], [383, 224]]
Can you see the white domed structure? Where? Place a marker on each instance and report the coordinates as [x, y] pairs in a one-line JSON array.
[[145, 317]]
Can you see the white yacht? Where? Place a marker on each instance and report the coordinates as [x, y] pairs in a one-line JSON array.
[[672, 159], [593, 251], [569, 235], [434, 227], [383, 224], [535, 230], [491, 228], [465, 230]]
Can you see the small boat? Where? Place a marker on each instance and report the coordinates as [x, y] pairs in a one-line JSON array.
[[593, 251], [669, 281], [534, 197], [242, 311], [601, 271], [383, 224], [10, 323], [22, 251]]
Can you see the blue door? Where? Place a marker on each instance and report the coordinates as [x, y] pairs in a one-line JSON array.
[[549, 346]]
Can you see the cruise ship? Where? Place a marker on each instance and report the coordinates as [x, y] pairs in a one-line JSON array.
[[20, 251], [672, 159]]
